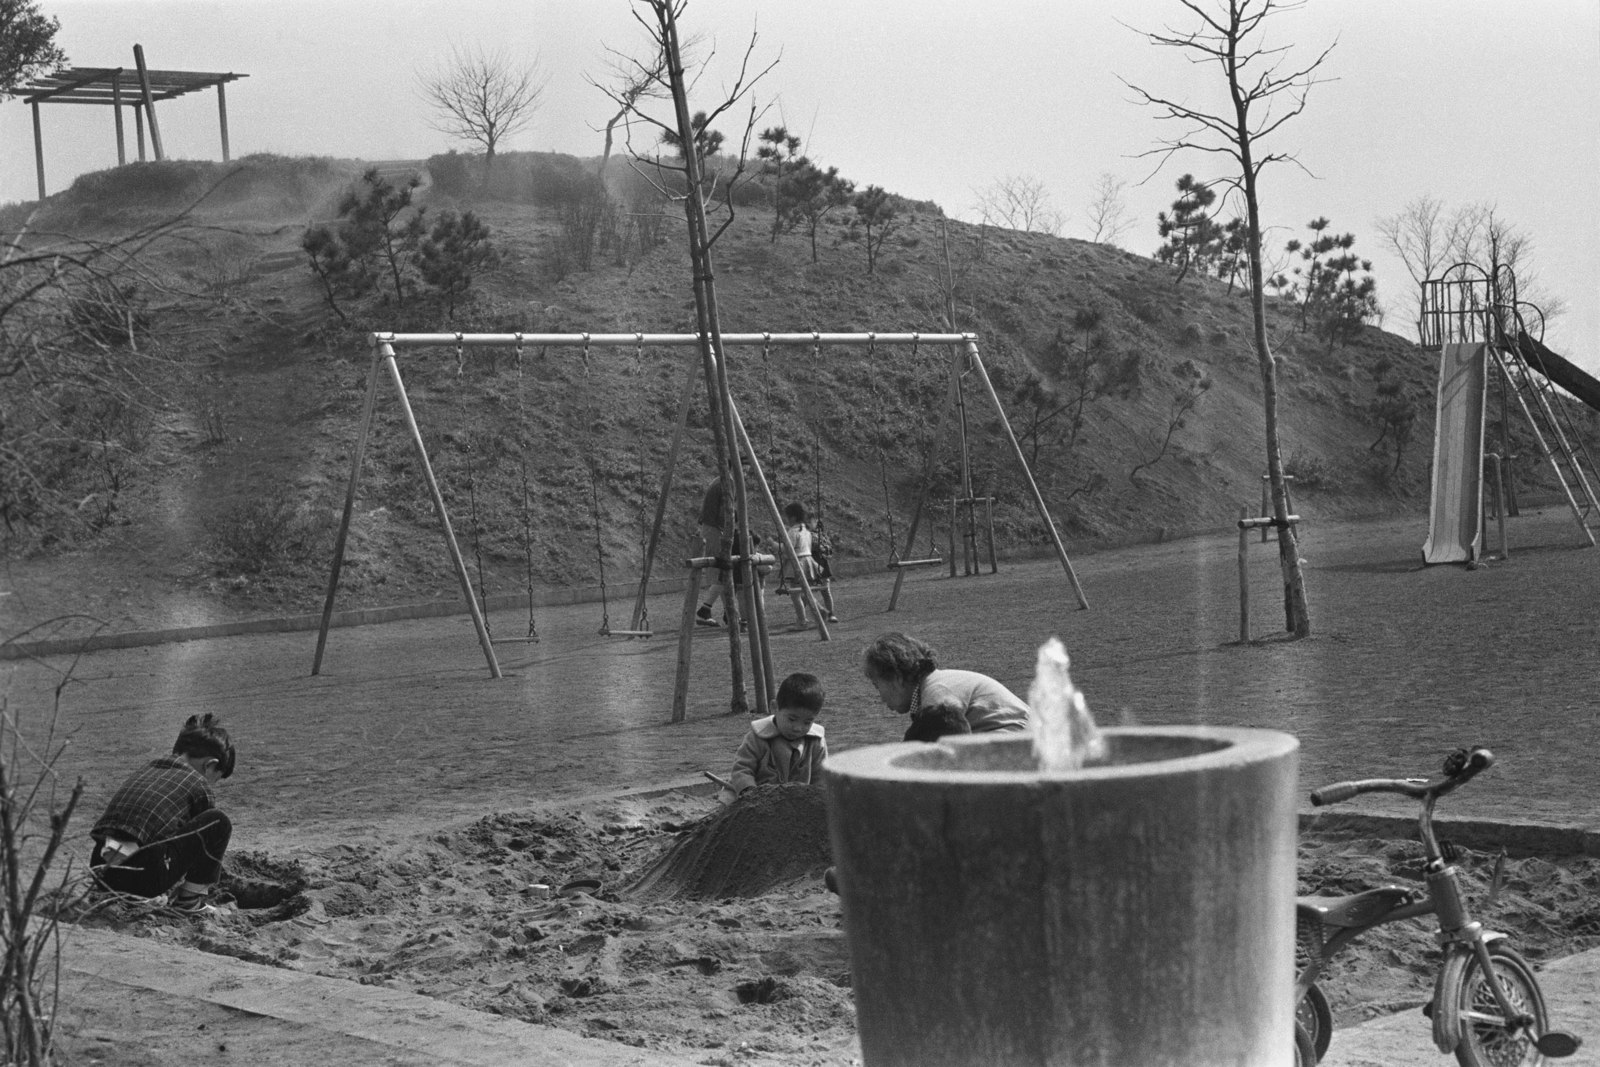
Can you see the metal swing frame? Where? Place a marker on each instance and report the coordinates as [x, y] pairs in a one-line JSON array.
[[385, 348]]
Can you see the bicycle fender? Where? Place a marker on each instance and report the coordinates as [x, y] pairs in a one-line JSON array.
[[1447, 1031]]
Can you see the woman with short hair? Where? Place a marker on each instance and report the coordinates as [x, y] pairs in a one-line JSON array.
[[908, 678]]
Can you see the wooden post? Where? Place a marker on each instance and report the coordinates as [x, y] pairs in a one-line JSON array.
[[454, 548], [1244, 575], [760, 663], [680, 687], [116, 109], [988, 518], [38, 148], [349, 509], [138, 128], [222, 116], [1500, 503], [758, 624], [1266, 503], [952, 537], [1022, 461], [150, 104]]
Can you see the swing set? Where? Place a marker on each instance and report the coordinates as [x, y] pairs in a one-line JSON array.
[[385, 361]]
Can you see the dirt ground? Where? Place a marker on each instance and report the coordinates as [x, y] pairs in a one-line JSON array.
[[407, 803]]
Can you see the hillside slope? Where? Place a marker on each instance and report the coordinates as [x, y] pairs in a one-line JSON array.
[[244, 468]]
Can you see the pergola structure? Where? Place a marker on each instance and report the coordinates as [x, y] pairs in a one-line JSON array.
[[119, 87]]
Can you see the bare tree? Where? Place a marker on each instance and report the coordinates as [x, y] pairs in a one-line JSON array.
[[1492, 241], [696, 191], [1427, 239], [633, 81], [1265, 92], [1108, 210], [483, 97], [1020, 203]]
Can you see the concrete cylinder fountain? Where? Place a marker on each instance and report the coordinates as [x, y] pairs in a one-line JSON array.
[[1134, 912]]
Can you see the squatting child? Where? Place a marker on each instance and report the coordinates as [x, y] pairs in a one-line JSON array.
[[787, 747], [162, 831]]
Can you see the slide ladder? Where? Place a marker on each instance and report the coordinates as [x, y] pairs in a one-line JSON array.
[[1534, 372]]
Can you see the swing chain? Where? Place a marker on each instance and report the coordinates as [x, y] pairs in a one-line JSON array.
[[527, 499]]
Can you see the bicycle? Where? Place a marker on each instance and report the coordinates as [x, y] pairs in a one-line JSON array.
[[1487, 1006]]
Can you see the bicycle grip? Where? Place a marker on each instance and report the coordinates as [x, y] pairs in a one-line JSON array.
[[1332, 794]]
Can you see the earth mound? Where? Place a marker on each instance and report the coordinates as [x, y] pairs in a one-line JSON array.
[[772, 836]]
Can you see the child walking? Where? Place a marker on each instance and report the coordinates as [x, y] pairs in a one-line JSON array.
[[162, 830], [787, 747]]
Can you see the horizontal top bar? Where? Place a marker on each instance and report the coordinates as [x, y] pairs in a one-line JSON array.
[[616, 340]]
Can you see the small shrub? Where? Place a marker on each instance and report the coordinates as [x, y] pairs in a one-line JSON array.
[[263, 533], [1087, 320], [107, 312], [559, 181], [451, 174], [1311, 472], [1144, 309], [1190, 335]]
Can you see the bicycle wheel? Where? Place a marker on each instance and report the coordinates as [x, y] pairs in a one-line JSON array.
[[1305, 1054], [1485, 1040], [1314, 1014]]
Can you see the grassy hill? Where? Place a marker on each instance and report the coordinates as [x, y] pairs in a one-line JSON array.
[[236, 474]]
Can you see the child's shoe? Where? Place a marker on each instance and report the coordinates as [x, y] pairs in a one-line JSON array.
[[702, 616], [192, 903]]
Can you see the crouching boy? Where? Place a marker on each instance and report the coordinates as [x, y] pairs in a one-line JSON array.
[[162, 830], [786, 747]]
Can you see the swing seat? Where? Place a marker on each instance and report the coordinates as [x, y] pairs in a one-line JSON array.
[[514, 640], [606, 631], [931, 561]]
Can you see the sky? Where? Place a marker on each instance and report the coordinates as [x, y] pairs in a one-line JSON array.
[[1487, 102]]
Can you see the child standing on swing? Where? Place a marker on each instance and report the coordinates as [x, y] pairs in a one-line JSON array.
[[799, 535]]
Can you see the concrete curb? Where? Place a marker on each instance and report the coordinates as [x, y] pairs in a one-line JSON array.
[[548, 597], [1518, 839]]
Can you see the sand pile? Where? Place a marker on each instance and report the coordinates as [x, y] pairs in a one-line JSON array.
[[772, 836]]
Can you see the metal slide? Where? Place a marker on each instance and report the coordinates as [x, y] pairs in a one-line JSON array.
[[1455, 510], [1563, 373]]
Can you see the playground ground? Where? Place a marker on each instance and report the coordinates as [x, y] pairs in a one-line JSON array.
[[404, 733]]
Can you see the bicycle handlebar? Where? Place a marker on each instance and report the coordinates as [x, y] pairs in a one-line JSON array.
[[1479, 759]]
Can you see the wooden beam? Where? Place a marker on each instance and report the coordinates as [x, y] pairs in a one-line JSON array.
[[149, 103], [222, 115], [38, 148], [116, 109]]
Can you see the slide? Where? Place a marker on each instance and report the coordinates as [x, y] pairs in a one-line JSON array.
[[1568, 376], [1455, 509]]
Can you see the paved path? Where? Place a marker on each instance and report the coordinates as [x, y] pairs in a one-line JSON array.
[[110, 980], [1572, 994]]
